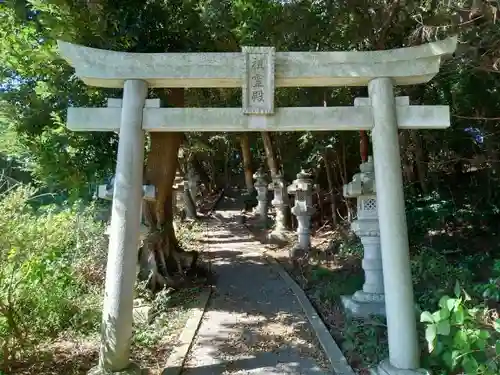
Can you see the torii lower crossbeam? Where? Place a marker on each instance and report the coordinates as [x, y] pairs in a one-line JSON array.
[[233, 120]]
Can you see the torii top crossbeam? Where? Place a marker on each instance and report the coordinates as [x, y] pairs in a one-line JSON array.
[[406, 66]]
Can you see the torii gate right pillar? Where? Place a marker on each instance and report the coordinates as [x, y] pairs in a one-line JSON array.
[[399, 298]]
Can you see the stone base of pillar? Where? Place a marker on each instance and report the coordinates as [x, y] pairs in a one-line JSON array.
[[133, 369], [298, 254], [364, 305], [385, 368]]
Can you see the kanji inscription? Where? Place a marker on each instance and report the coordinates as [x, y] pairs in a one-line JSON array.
[[258, 84]]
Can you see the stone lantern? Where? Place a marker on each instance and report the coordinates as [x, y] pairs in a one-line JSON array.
[[261, 188], [303, 209], [148, 193], [189, 202], [178, 196], [370, 300], [193, 183], [280, 203]]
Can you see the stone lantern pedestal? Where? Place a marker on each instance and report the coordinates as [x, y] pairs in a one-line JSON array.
[[260, 185], [370, 300], [303, 209], [148, 193], [281, 204]]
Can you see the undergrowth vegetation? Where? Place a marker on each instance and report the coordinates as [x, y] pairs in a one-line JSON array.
[[53, 260], [52, 270], [455, 262]]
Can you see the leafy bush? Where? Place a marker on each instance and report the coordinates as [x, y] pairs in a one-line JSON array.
[[460, 339], [491, 289], [434, 275], [51, 273]]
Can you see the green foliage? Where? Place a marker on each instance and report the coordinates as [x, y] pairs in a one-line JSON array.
[[491, 289], [171, 310], [51, 273], [458, 339], [434, 275], [370, 335]]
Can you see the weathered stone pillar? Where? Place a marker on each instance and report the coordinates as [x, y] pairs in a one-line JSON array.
[[193, 180], [148, 193], [370, 300], [124, 236], [189, 204], [399, 299], [303, 209], [281, 204], [178, 193], [261, 187]]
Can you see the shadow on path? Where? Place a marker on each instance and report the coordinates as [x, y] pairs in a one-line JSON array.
[[253, 323]]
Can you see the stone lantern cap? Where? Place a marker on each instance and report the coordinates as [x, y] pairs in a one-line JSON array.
[[260, 178], [303, 189], [363, 183], [303, 183], [107, 191]]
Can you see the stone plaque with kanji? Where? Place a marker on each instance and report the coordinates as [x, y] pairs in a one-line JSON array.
[[258, 81]]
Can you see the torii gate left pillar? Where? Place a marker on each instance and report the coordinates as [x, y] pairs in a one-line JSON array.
[[116, 329]]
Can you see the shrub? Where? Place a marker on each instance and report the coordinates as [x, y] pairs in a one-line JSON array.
[[51, 273], [434, 275], [460, 338]]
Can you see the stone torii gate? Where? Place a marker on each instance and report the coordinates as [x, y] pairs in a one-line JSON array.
[[258, 70]]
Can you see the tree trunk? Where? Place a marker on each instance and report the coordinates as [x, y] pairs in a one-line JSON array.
[[270, 155], [227, 166], [247, 162], [163, 256], [329, 177], [420, 160]]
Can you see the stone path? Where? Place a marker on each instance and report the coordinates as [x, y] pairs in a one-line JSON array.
[[253, 323]]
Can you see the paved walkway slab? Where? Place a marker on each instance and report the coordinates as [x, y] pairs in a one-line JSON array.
[[253, 323]]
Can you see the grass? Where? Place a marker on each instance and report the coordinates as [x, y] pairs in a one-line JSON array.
[[73, 354]]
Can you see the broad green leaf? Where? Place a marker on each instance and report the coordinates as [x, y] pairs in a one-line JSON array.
[[483, 334], [458, 315], [430, 336], [426, 317], [470, 365], [457, 289], [443, 328], [444, 313], [460, 340], [436, 316], [443, 301], [451, 303], [447, 358]]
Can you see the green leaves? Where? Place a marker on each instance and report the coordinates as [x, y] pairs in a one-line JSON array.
[[456, 338], [45, 257], [426, 317]]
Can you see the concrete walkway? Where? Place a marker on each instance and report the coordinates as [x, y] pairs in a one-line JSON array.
[[253, 323]]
